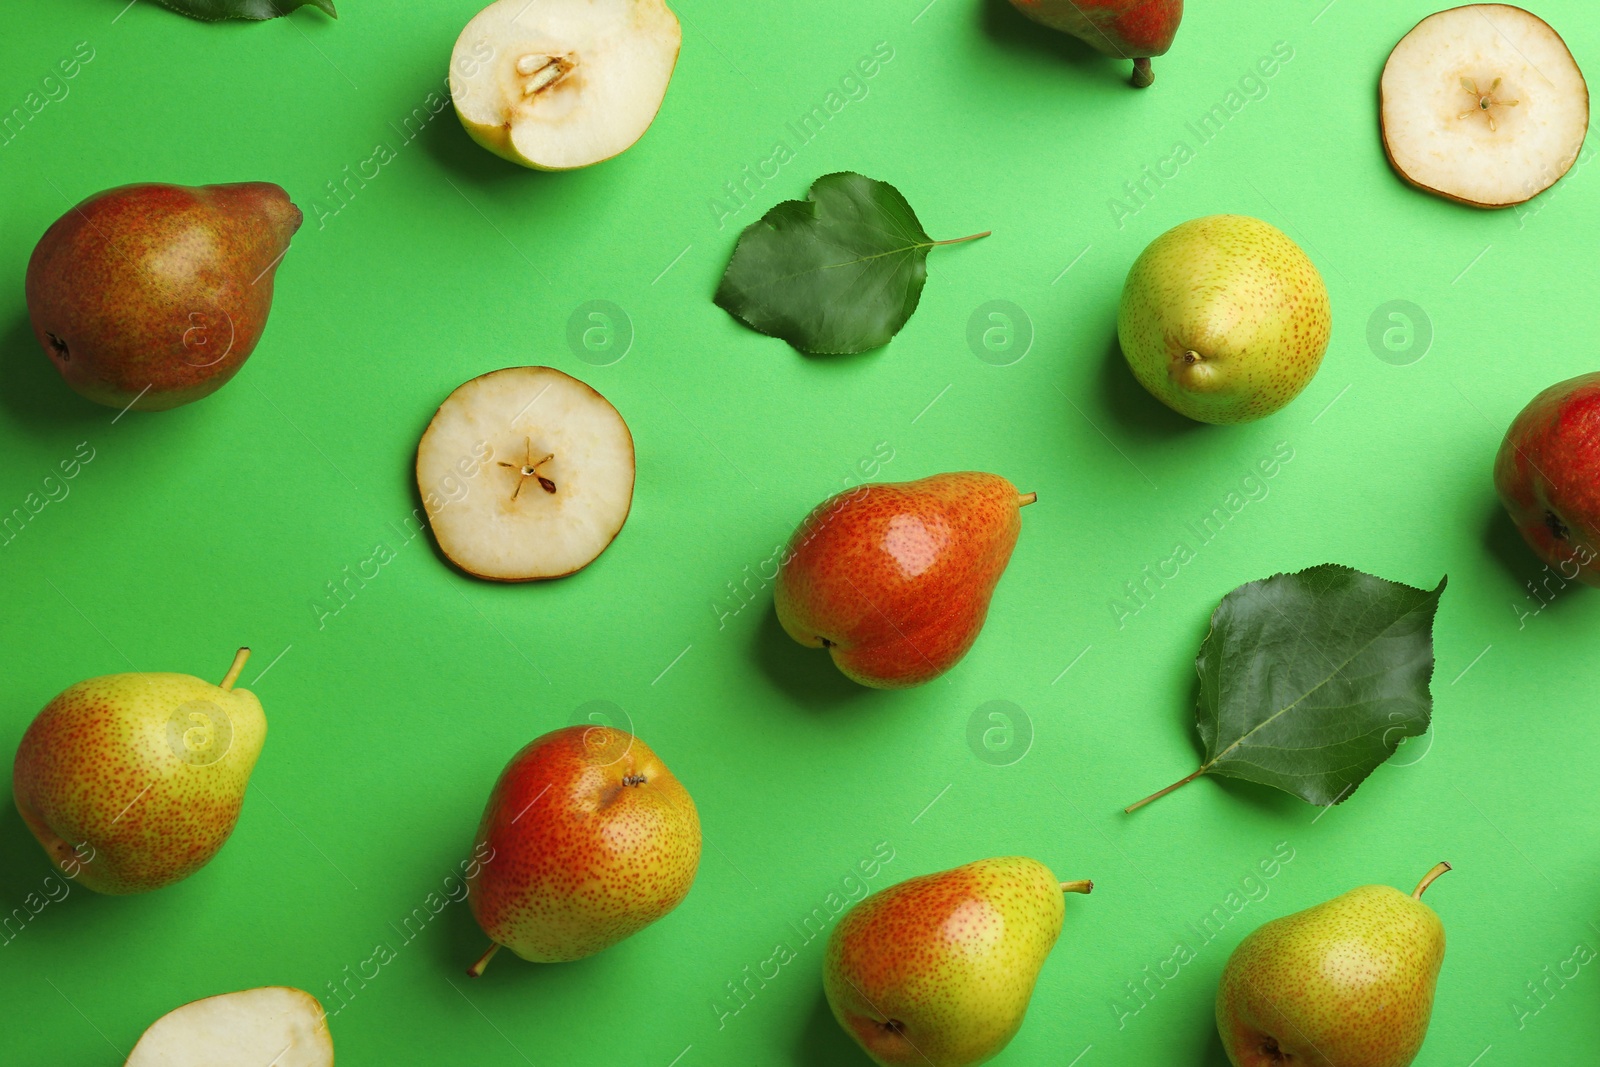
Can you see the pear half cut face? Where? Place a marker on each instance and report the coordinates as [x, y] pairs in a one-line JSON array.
[[1483, 104], [277, 1025], [526, 473], [559, 84]]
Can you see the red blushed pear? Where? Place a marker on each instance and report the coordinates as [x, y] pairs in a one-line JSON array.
[[132, 782], [155, 295], [937, 971], [1548, 476], [587, 839], [1128, 29], [894, 580]]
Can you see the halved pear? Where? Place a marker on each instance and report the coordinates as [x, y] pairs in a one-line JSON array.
[[1483, 104], [526, 473], [559, 84], [275, 1025]]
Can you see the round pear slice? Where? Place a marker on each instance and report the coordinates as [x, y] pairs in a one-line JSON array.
[[1484, 105], [277, 1025], [526, 473], [559, 84]]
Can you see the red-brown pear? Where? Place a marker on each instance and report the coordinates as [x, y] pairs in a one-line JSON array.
[[155, 295], [1548, 476], [895, 579], [587, 839], [1128, 29]]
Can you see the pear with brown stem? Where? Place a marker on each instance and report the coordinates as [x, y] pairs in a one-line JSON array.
[[937, 971], [1127, 29], [587, 839], [134, 781], [1347, 983], [151, 296]]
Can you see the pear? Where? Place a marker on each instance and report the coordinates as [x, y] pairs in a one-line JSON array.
[[894, 580], [1483, 105], [587, 839], [561, 84], [1224, 319], [1546, 474], [1128, 29], [134, 781], [1348, 983], [153, 296], [526, 474], [270, 1027], [937, 971]]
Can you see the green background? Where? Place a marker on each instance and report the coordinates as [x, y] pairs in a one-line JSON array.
[[219, 524]]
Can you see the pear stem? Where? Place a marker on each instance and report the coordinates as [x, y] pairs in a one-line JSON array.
[[1143, 76], [1026, 498], [476, 970], [1085, 887], [1131, 808], [1428, 879], [958, 240], [236, 669]]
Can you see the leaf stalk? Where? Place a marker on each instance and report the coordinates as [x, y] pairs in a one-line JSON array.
[[1131, 808]]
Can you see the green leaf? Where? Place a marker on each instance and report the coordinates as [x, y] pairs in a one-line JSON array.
[[838, 272], [214, 10], [1309, 681]]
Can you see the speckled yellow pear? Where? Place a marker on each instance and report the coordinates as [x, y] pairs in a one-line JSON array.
[[1347, 983], [133, 781], [1224, 319], [560, 84], [937, 971], [270, 1027]]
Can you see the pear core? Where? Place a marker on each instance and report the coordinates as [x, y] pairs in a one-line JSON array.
[[526, 473], [1484, 105], [560, 84]]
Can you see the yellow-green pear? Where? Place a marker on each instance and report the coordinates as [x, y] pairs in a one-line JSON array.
[[937, 971], [1348, 983], [133, 781], [1224, 319]]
